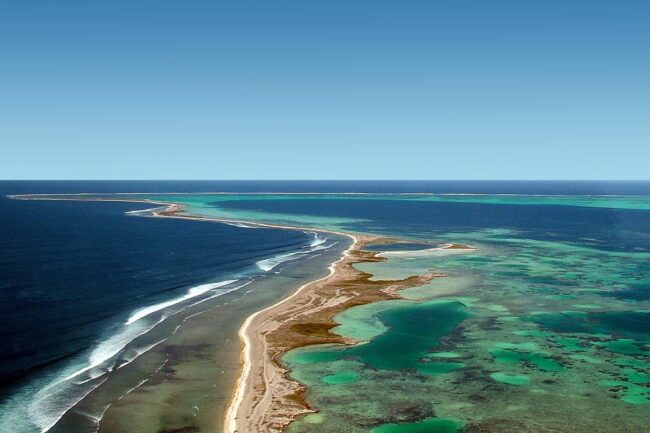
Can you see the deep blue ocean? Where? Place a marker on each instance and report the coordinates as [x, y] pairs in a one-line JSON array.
[[607, 228], [69, 270]]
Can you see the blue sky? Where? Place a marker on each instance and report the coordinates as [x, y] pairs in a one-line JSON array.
[[325, 90]]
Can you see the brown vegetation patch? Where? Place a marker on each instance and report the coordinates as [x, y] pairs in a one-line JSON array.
[[314, 329]]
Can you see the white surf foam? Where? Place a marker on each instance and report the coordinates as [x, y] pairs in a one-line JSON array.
[[193, 292], [268, 264], [144, 211], [220, 293], [322, 247], [45, 412], [318, 240], [315, 245], [241, 225], [111, 347], [136, 353]]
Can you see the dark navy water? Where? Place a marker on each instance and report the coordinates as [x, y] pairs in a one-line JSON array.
[[70, 270], [611, 229]]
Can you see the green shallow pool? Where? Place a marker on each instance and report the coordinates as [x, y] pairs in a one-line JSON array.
[[426, 426], [341, 378]]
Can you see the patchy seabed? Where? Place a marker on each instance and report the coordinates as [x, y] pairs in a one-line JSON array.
[[522, 335]]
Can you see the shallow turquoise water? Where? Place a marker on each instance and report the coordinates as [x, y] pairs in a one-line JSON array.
[[426, 426]]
